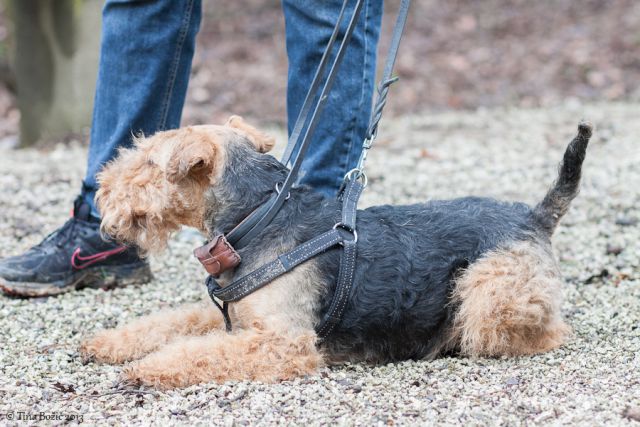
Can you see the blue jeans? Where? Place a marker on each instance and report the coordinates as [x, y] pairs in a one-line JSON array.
[[145, 61]]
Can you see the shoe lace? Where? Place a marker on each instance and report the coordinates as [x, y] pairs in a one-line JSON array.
[[60, 236]]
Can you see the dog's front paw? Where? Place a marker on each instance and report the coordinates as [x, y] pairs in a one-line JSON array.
[[140, 373], [108, 347]]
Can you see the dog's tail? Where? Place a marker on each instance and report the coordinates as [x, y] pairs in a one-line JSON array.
[[556, 203]]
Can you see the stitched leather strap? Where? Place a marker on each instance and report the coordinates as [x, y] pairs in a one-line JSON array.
[[332, 318], [313, 90], [242, 234], [343, 291], [281, 265], [248, 224], [350, 196], [286, 262]]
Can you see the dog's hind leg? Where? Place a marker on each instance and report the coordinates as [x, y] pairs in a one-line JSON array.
[[509, 303], [148, 333], [251, 354]]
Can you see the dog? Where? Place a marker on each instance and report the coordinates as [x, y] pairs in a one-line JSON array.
[[472, 276]]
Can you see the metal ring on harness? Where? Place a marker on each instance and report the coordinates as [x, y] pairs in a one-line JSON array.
[[359, 174], [347, 229]]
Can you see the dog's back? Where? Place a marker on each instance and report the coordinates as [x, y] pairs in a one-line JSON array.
[[445, 274]]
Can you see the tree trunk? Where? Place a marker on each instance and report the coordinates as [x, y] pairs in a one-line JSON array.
[[56, 58]]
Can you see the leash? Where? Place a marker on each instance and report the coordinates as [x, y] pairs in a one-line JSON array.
[[220, 255], [250, 227], [383, 88]]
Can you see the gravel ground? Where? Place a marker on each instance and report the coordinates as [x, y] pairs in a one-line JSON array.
[[593, 380]]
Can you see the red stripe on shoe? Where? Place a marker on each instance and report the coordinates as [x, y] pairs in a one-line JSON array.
[[92, 259]]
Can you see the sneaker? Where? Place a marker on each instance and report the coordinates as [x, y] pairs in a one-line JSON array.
[[73, 257]]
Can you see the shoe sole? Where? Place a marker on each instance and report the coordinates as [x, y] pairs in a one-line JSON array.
[[96, 278]]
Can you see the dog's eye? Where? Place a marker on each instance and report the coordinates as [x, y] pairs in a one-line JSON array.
[[199, 165]]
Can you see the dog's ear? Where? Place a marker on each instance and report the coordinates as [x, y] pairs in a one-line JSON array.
[[193, 158], [261, 141]]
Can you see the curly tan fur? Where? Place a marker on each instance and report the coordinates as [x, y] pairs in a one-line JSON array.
[[146, 194], [251, 354], [169, 171], [150, 215], [177, 357], [509, 304], [263, 142], [149, 333]]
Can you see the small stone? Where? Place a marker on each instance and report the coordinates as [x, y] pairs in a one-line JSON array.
[[614, 249], [632, 413], [626, 222], [513, 381]]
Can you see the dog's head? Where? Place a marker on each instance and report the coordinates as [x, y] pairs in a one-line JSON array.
[[156, 186]]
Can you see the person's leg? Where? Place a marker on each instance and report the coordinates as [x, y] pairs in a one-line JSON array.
[[145, 60], [337, 141]]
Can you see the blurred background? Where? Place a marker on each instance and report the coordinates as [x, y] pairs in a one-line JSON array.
[[461, 54]]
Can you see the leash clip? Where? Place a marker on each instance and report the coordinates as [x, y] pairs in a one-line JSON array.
[[357, 173]]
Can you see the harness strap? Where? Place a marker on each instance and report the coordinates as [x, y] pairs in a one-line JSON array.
[[350, 197], [251, 226], [286, 262], [247, 224], [342, 292]]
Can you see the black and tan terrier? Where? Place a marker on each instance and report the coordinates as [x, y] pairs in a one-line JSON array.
[[473, 275]]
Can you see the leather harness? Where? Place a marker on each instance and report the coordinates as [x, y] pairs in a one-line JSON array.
[[219, 255]]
